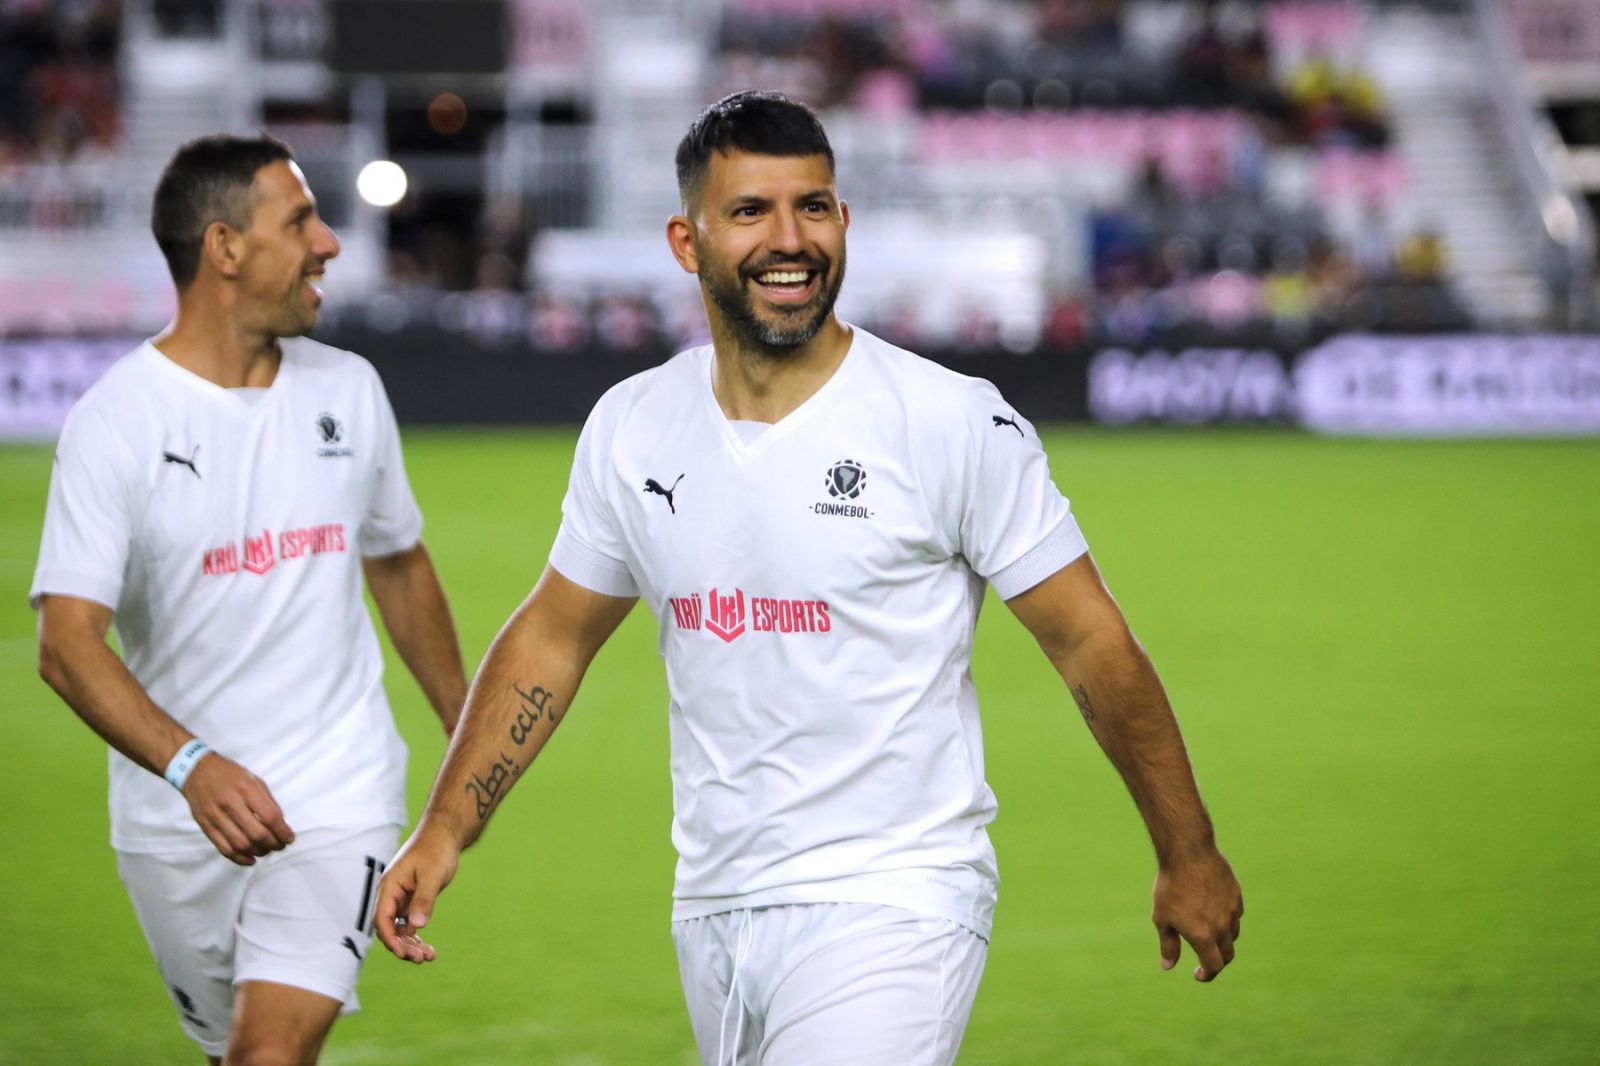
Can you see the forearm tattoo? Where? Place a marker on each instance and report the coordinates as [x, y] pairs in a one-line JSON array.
[[536, 704], [1081, 695]]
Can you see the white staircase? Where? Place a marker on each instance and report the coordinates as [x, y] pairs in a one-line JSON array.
[[174, 91], [650, 80], [1464, 181]]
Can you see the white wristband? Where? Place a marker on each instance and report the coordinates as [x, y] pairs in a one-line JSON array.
[[178, 769]]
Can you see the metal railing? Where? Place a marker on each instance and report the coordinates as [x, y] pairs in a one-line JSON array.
[[1562, 218]]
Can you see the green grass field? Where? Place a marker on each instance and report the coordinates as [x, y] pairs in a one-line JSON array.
[[1384, 656]]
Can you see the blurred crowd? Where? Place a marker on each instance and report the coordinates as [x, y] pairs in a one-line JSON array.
[[1283, 63], [1164, 261], [58, 79], [1193, 108], [1196, 238]]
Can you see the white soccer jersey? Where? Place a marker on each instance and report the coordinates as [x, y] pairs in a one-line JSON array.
[[226, 536], [817, 590]]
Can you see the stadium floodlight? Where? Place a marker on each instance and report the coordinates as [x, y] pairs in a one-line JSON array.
[[381, 183]]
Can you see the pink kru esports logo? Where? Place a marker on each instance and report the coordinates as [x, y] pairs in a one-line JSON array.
[[727, 616], [258, 553], [261, 553]]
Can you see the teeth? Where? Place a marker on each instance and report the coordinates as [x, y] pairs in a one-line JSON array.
[[783, 277]]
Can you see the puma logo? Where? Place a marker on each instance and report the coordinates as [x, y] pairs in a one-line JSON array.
[[351, 944], [181, 461], [1012, 422], [652, 485]]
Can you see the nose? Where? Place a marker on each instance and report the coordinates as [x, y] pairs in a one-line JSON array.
[[785, 235], [327, 243]]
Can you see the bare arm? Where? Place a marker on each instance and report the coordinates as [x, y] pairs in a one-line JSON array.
[[1082, 631], [232, 806], [523, 689], [411, 601]]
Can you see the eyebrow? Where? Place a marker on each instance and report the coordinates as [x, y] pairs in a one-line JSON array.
[[304, 211], [752, 200]]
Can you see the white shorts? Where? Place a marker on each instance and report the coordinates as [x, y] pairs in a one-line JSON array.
[[301, 916], [828, 984]]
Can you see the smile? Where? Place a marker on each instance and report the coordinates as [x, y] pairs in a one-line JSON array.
[[787, 286]]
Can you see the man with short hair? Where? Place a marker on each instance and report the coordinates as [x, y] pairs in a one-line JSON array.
[[218, 495], [813, 516]]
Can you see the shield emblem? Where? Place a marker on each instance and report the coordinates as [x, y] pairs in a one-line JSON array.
[[846, 479]]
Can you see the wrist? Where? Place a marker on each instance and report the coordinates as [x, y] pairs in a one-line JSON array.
[[183, 762], [1181, 850]]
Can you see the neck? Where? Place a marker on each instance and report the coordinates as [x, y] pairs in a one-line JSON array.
[[751, 383], [208, 340]]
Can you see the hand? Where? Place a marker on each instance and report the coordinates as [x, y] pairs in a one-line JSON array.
[[1199, 900], [407, 892], [235, 810]]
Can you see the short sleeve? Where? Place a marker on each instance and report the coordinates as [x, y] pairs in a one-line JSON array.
[[589, 549], [1016, 528], [393, 522], [89, 515]]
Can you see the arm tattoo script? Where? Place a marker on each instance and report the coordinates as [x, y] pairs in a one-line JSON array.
[[486, 788], [536, 704], [1081, 695]]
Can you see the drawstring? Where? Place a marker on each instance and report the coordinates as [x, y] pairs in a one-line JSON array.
[[746, 935]]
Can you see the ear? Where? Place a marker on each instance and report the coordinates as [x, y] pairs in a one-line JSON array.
[[680, 238], [221, 247], [844, 212]]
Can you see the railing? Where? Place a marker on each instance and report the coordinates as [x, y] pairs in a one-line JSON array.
[[1557, 31], [551, 168], [1563, 218], [43, 200]]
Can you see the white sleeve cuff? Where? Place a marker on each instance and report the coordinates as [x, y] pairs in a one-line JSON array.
[[104, 591], [375, 543], [594, 570], [1061, 547]]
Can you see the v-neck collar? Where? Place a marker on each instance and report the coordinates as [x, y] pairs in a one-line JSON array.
[[218, 394], [784, 426]]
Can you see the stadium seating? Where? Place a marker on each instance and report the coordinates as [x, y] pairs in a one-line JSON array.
[[1151, 166]]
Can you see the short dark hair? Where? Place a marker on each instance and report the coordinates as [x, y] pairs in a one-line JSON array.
[[208, 180], [766, 123]]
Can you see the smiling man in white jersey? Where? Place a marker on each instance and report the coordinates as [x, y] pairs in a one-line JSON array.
[[219, 495], [814, 515]]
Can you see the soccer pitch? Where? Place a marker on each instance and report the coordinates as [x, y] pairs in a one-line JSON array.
[[1384, 656]]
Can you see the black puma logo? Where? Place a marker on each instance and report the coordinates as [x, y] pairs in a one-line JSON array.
[[1012, 422], [652, 485], [181, 461], [351, 944]]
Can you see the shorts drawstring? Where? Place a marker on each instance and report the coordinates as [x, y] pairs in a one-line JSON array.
[[746, 935]]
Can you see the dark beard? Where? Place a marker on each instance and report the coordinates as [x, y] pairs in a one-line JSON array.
[[783, 339]]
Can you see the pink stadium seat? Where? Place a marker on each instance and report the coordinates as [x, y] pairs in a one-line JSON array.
[[1345, 176], [886, 94]]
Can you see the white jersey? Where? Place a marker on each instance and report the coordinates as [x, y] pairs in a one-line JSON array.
[[817, 591], [226, 534]]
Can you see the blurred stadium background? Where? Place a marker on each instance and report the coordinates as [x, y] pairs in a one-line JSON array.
[[1173, 232], [1133, 209]]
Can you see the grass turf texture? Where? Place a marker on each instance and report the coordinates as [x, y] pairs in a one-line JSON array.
[[1383, 655]]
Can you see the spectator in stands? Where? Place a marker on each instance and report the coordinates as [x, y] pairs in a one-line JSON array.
[[58, 90], [556, 324], [1372, 246], [1421, 258], [1288, 295]]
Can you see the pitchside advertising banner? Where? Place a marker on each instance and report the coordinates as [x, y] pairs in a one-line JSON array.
[[1357, 385], [41, 379], [1363, 385]]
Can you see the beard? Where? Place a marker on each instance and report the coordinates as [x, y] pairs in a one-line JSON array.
[[794, 325]]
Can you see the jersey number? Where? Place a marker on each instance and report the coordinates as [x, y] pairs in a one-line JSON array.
[[369, 896]]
